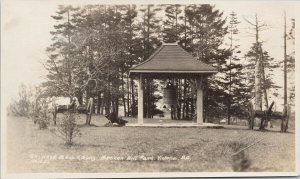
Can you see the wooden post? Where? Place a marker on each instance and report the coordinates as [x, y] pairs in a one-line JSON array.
[[89, 111], [140, 100], [199, 101]]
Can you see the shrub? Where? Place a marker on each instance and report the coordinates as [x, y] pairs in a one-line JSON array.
[[21, 105], [41, 115], [67, 129]]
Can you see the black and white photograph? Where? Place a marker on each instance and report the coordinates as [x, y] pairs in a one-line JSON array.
[[114, 89]]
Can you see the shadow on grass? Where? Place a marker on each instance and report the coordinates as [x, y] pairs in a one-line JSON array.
[[272, 131], [91, 125], [76, 145], [256, 130]]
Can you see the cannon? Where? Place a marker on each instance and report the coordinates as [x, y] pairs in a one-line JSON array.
[[267, 115], [113, 118]]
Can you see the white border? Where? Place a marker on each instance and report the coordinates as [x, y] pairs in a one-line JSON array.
[[4, 174]]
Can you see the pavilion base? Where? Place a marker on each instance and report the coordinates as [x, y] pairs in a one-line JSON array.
[[176, 125]]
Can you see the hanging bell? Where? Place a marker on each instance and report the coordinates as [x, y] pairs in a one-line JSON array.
[[169, 95], [92, 87]]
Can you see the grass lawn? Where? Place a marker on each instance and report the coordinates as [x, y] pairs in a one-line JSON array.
[[138, 149]]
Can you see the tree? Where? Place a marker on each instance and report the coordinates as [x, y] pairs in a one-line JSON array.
[[149, 40], [63, 56], [288, 67], [130, 58], [171, 28], [207, 32], [22, 105], [268, 63], [102, 54], [291, 62], [235, 78], [260, 83]]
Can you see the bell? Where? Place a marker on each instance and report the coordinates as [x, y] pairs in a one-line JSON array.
[[92, 87], [169, 95]]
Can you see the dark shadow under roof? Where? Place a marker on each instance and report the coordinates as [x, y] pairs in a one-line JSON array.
[[171, 58]]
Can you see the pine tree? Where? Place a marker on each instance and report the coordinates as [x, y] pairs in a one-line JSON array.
[[291, 63], [207, 32], [268, 63], [237, 93], [63, 56], [171, 25], [130, 58], [149, 40], [259, 80]]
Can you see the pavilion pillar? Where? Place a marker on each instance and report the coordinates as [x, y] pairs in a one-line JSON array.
[[140, 100], [199, 104]]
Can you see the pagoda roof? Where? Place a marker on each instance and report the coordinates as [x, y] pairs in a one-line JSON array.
[[171, 58]]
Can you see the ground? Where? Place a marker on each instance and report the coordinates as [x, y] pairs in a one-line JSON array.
[[138, 149]]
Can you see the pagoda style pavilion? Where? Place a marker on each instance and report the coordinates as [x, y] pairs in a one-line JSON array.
[[172, 61]]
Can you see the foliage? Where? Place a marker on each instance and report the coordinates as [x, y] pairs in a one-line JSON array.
[[62, 53], [41, 114], [21, 106], [67, 129], [207, 32], [102, 42], [32, 104], [236, 88], [291, 62], [172, 26], [269, 64]]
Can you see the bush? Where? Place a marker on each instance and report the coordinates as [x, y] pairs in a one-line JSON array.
[[41, 114], [30, 103], [44, 117], [21, 106], [67, 129]]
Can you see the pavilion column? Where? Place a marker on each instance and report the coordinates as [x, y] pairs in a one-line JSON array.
[[199, 100], [140, 100]]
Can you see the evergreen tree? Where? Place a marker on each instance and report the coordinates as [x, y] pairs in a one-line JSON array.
[[149, 40], [236, 88], [207, 32], [130, 58], [63, 56], [291, 63], [268, 63], [171, 25]]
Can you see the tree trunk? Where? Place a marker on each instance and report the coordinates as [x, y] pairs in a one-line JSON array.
[[89, 111], [123, 94], [250, 116], [264, 79], [285, 118], [257, 83], [258, 94]]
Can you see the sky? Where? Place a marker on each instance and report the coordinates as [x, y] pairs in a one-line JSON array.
[[25, 27]]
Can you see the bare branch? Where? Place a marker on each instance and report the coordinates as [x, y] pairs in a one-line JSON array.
[[249, 22]]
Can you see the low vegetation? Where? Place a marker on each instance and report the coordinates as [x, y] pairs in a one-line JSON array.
[[100, 149], [67, 129]]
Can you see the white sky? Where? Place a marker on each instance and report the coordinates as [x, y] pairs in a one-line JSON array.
[[25, 27]]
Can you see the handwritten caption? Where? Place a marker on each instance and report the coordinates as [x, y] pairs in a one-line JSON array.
[[45, 159]]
